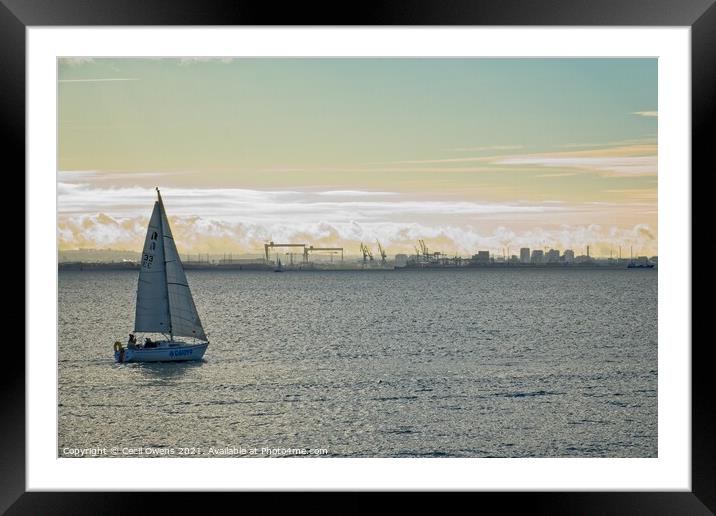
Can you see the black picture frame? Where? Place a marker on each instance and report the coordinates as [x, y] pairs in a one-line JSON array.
[[700, 15]]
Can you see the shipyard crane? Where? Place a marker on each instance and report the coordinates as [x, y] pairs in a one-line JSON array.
[[311, 249], [367, 253], [382, 252], [423, 247], [269, 245]]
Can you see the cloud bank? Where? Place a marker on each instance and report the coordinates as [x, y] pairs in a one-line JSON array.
[[649, 114], [230, 220], [625, 165], [625, 160], [637, 159]]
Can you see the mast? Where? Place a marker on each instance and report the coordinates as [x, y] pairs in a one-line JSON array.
[[164, 252]]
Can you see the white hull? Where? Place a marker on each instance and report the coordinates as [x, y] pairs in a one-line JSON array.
[[165, 352]]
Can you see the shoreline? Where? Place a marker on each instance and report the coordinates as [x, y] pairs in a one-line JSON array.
[[119, 266]]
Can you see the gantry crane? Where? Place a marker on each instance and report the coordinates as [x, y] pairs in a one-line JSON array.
[[312, 249], [271, 244]]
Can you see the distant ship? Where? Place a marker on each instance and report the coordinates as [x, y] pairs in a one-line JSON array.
[[634, 265]]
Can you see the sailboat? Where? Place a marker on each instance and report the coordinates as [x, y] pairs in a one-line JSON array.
[[164, 301], [279, 267]]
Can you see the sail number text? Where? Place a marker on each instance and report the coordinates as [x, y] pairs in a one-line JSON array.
[[147, 260]]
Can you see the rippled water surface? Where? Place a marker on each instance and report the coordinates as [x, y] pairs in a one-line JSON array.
[[519, 363]]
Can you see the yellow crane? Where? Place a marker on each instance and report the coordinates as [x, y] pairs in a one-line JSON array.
[[423, 247], [367, 253], [270, 245], [312, 249], [382, 252]]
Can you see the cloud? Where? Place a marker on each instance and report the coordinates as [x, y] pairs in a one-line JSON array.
[[621, 160], [274, 206], [641, 194], [106, 79], [98, 176], [630, 160], [202, 235], [647, 140], [75, 61], [203, 59], [564, 174], [488, 148], [632, 165], [353, 193], [409, 169], [444, 160], [650, 114], [241, 220]]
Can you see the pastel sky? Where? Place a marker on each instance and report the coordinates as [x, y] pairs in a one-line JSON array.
[[468, 154]]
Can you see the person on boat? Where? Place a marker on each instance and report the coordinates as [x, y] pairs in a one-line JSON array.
[[132, 342], [148, 343]]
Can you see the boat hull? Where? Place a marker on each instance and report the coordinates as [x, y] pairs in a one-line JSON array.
[[167, 352]]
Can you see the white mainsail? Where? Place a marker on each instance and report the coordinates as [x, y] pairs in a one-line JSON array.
[[175, 313], [152, 313]]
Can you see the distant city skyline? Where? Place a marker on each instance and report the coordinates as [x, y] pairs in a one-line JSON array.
[[467, 154]]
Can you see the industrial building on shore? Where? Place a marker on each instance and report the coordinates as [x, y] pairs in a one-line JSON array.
[[302, 256]]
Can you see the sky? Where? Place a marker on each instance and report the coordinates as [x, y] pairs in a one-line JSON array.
[[468, 154]]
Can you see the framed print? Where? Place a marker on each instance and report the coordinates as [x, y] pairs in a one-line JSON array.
[[433, 250]]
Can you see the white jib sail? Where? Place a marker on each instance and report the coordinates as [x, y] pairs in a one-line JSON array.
[[152, 313], [185, 320]]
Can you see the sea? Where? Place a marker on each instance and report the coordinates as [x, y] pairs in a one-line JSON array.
[[405, 363]]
